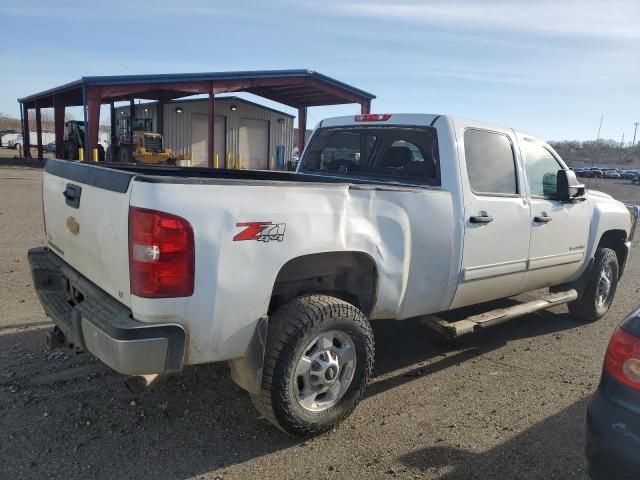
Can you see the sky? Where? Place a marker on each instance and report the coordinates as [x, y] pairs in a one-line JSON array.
[[548, 67]]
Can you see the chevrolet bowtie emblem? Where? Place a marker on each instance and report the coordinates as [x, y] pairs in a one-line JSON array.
[[73, 225]]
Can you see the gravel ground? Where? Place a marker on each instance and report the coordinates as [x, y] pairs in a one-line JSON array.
[[505, 403]]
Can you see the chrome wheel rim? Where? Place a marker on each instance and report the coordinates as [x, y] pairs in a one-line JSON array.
[[324, 371], [604, 286]]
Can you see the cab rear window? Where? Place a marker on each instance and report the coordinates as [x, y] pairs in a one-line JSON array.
[[400, 153]]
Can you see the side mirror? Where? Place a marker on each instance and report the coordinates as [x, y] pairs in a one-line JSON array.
[[568, 187]]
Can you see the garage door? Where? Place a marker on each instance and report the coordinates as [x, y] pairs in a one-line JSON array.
[[199, 124], [254, 143]]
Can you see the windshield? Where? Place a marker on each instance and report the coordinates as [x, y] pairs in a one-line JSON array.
[[403, 153]]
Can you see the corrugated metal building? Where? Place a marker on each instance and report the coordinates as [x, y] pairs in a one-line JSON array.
[[259, 136]]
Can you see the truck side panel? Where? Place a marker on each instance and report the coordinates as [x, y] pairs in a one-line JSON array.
[[407, 231]]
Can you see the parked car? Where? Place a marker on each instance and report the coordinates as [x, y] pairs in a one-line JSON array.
[[594, 173], [612, 174], [5, 135], [15, 142], [50, 148], [151, 269], [613, 414]]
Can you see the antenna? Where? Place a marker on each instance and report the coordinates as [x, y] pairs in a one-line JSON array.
[[593, 159], [599, 129]]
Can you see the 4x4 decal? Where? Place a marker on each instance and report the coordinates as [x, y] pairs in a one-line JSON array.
[[260, 231]]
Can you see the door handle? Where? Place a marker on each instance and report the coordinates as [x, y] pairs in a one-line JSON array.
[[542, 219], [69, 193], [481, 219], [72, 195]]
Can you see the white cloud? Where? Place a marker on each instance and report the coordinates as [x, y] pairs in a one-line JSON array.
[[587, 18]]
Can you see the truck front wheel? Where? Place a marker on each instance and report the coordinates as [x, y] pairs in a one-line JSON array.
[[600, 287], [317, 362]]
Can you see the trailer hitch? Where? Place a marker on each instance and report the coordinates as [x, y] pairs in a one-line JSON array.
[[56, 339]]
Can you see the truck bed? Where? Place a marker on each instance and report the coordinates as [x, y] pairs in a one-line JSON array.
[[123, 173]]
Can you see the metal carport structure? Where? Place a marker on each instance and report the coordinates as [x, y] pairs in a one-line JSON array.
[[299, 89]]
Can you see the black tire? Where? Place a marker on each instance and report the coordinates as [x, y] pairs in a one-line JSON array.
[[588, 306], [291, 328], [111, 155], [71, 152], [125, 155]]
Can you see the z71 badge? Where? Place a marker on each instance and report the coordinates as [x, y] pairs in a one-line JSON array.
[[260, 231]]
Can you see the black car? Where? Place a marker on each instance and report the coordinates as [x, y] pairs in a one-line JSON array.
[[613, 414]]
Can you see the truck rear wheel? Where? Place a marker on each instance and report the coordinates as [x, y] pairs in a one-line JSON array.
[[318, 359], [600, 288]]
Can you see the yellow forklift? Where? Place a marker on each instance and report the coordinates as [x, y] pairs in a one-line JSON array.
[[141, 144]]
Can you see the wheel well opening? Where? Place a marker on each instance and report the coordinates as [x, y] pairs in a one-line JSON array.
[[351, 276], [615, 239]]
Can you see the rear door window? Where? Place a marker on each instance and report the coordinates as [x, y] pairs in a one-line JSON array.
[[491, 164]]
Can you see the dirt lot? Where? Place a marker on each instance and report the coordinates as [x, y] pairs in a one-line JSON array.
[[506, 403]]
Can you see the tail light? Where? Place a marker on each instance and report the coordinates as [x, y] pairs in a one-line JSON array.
[[623, 358], [161, 254], [373, 117]]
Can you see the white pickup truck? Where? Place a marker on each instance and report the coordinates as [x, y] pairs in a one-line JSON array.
[[388, 217]]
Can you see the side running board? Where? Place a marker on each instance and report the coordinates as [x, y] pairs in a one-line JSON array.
[[499, 315]]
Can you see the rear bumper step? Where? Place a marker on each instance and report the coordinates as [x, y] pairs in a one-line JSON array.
[[499, 315], [96, 322]]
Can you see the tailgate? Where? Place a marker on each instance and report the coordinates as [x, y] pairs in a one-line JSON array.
[[86, 210]]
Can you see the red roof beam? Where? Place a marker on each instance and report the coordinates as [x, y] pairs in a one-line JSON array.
[[128, 91], [336, 91], [160, 95], [227, 86], [312, 97]]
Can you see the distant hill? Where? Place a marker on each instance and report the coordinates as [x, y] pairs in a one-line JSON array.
[[9, 123], [603, 152]]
